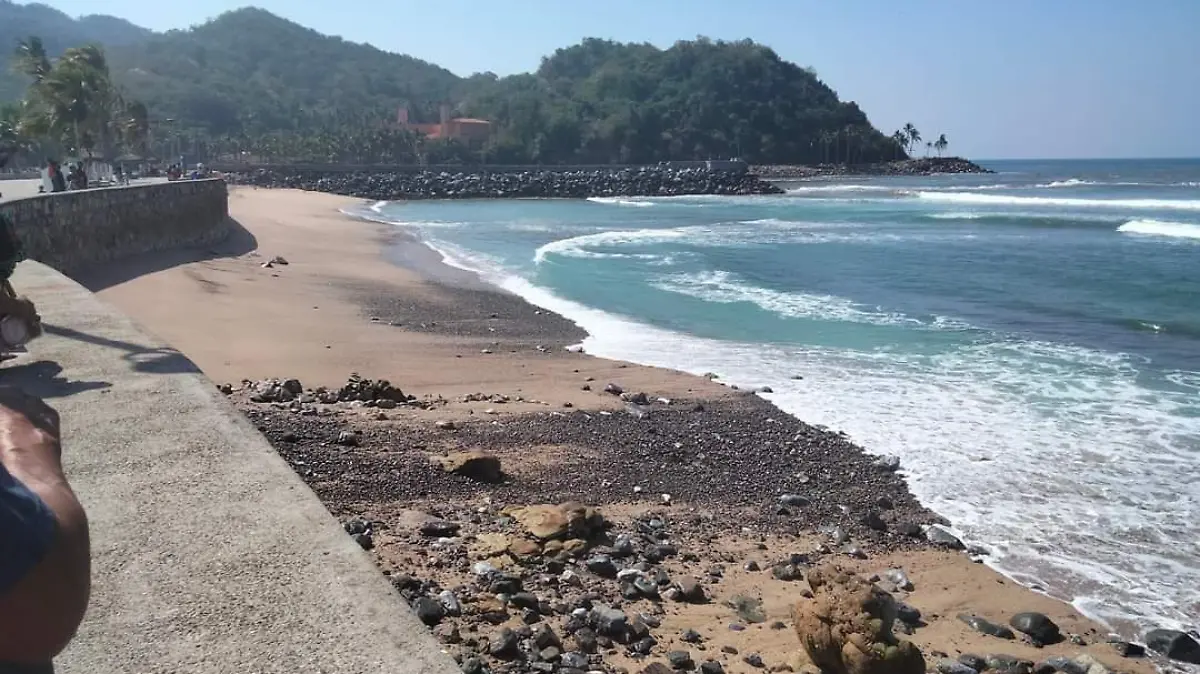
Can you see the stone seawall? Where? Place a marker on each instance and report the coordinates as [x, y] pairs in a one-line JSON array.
[[644, 181], [71, 230]]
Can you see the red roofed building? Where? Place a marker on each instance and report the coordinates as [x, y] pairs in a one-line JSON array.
[[473, 132]]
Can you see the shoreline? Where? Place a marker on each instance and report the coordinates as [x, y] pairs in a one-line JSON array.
[[422, 315], [435, 270]]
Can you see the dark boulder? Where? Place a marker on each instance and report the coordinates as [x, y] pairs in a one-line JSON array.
[[1175, 645], [1038, 626]]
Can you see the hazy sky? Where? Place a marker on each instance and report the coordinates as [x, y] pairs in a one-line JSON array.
[[1001, 78]]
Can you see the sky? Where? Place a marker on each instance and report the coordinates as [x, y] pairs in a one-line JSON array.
[[1001, 78]]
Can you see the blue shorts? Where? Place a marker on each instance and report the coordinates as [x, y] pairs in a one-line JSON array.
[[27, 529]]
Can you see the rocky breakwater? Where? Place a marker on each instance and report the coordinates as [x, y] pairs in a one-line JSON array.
[[904, 167], [481, 184]]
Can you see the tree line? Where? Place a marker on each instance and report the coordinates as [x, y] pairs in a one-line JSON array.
[[597, 102]]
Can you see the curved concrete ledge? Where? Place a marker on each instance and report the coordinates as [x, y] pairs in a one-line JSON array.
[[209, 553]]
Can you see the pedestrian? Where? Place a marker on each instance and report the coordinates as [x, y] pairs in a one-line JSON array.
[[58, 182], [45, 563]]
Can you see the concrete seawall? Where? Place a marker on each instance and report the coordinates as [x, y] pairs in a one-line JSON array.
[[71, 230], [208, 553]]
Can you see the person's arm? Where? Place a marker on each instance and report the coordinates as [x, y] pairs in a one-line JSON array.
[[43, 599]]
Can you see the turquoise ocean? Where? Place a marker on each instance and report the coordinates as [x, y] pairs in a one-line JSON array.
[[1027, 342]]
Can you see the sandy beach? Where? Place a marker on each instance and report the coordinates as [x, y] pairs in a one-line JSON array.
[[310, 294]]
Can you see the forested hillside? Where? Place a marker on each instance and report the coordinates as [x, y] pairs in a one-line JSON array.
[[59, 32], [605, 101], [251, 81]]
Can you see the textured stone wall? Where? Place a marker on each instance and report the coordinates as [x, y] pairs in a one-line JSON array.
[[71, 230]]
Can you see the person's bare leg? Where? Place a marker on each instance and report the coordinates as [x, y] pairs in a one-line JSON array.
[[40, 613]]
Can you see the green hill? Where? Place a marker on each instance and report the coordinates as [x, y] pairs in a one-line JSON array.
[[604, 101], [248, 74], [58, 31], [251, 71]]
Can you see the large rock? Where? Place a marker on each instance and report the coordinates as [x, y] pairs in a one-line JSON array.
[[474, 465], [569, 520], [846, 628], [1174, 644], [1038, 626]]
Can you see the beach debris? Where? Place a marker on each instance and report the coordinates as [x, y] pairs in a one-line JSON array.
[[985, 626], [1175, 645], [1128, 650], [613, 389], [348, 439], [280, 260], [846, 628], [1038, 626]]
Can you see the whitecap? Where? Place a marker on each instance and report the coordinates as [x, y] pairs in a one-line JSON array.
[[1009, 200], [619, 201], [578, 246], [724, 287], [1182, 230]]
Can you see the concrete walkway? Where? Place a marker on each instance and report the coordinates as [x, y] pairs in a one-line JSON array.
[[11, 190], [209, 554]]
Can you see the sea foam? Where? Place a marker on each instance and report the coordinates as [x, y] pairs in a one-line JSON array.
[[1073, 202], [1182, 230]]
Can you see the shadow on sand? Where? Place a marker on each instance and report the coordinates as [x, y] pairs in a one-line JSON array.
[[100, 276]]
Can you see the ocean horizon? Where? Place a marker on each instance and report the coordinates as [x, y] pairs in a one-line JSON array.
[[1027, 342]]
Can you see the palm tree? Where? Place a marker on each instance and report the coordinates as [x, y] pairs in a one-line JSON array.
[[71, 99], [928, 147], [901, 142], [13, 141], [914, 136], [30, 59], [940, 144]]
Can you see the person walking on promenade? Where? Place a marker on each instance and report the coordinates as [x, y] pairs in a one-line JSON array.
[[58, 182], [45, 560]]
